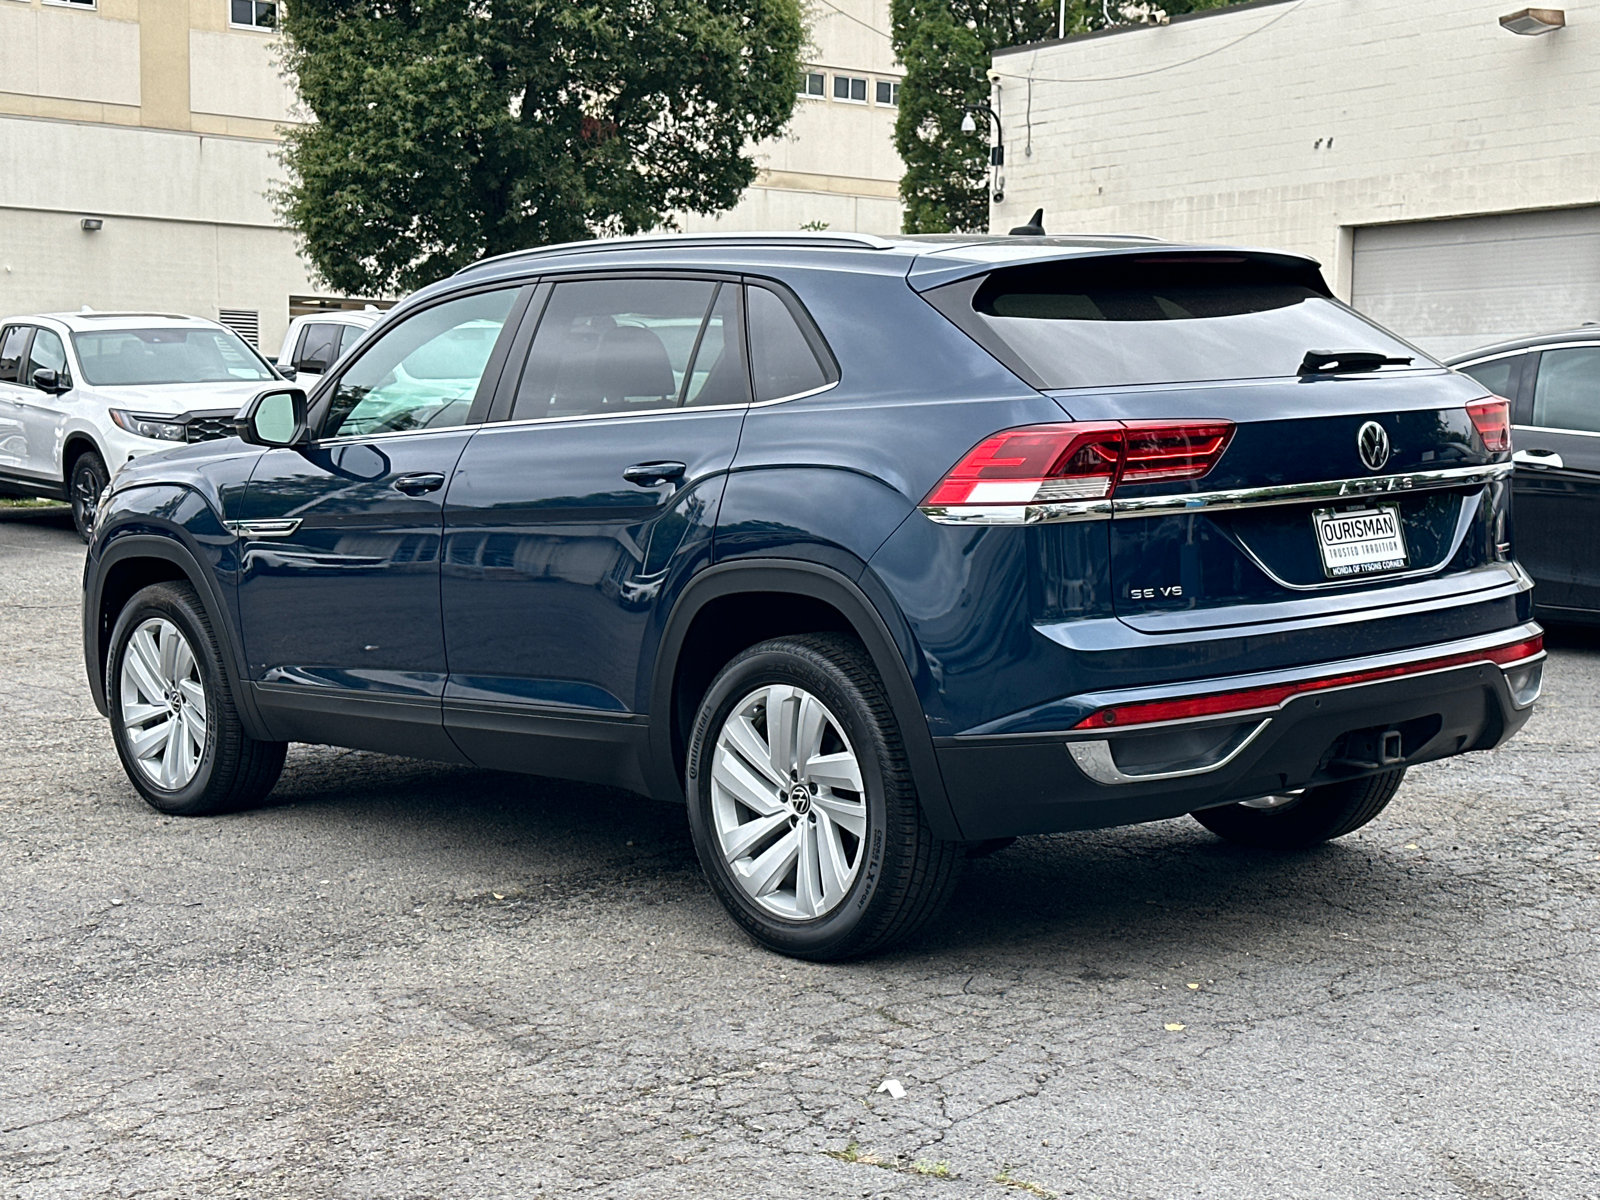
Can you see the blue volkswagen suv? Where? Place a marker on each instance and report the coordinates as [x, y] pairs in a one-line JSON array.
[[876, 553]]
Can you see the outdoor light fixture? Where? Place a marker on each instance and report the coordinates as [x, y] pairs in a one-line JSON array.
[[1534, 21], [90, 224], [968, 125]]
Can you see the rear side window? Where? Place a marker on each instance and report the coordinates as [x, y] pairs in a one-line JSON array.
[[783, 360], [1494, 374], [1165, 319], [1566, 394], [611, 346], [319, 346], [12, 342]]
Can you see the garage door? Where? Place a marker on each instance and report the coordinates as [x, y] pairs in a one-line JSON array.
[[1452, 286]]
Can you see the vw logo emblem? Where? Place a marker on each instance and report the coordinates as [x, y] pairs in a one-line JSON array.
[[1372, 443]]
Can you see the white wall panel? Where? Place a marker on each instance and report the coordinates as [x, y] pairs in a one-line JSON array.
[[1452, 286], [235, 74], [69, 55]]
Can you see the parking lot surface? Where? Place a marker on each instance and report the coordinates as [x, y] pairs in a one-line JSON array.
[[413, 981]]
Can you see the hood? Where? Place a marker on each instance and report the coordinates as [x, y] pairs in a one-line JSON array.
[[172, 399]]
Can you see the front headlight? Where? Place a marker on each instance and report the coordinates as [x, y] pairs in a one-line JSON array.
[[163, 429]]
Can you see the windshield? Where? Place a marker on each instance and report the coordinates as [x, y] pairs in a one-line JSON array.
[[116, 357], [1117, 323]]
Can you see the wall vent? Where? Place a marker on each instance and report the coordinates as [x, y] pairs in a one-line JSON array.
[[243, 321]]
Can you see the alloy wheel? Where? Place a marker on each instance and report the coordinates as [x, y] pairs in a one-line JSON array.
[[788, 803], [163, 704]]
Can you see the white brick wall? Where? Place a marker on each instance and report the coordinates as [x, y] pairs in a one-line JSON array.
[[1432, 110]]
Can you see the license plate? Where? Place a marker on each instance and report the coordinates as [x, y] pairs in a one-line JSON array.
[[1369, 541]]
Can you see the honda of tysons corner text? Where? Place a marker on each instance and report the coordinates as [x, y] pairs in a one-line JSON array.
[[875, 552]]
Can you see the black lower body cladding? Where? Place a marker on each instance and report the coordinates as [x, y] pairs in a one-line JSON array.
[[1003, 786]]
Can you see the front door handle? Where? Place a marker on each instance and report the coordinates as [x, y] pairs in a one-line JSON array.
[[416, 485], [651, 473], [1538, 458]]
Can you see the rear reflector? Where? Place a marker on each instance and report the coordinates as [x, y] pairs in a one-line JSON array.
[[1492, 419], [1081, 460], [1221, 703]]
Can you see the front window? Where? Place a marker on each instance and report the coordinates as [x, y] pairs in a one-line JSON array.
[[1566, 394], [47, 354], [144, 357], [424, 372]]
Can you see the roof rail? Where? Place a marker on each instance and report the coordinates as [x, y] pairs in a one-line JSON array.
[[96, 313], [646, 241]]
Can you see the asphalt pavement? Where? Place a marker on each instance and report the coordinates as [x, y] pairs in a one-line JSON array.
[[409, 981]]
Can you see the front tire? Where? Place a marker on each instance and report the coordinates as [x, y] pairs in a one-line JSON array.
[[1315, 815], [173, 718], [802, 806], [89, 479]]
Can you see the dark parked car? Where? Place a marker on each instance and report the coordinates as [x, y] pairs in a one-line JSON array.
[[877, 551], [1553, 383]]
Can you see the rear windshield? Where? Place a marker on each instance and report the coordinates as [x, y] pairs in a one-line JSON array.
[[150, 356], [1109, 323]]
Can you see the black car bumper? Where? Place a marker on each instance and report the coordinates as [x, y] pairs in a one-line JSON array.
[[1404, 709]]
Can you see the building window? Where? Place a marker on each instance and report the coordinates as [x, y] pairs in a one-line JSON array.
[[812, 84], [848, 87], [253, 14], [888, 93], [73, 3]]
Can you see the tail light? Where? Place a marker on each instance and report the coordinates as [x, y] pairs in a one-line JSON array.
[[1492, 419], [1055, 464]]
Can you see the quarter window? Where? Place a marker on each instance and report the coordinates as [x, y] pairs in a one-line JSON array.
[[1494, 374], [12, 344], [782, 360], [423, 373], [1567, 392], [253, 14], [849, 87], [47, 354], [630, 345]]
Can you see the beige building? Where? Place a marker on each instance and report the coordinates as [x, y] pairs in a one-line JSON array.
[[835, 164], [1445, 170], [156, 119], [139, 139]]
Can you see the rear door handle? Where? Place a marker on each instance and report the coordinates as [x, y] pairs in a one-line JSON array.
[[651, 473], [1538, 458], [416, 485]]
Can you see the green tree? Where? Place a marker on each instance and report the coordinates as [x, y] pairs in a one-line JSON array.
[[946, 46], [449, 129]]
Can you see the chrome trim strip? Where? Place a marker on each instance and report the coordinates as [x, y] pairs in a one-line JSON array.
[[1234, 498], [1332, 489], [264, 529], [1553, 429], [1094, 760], [1018, 514]]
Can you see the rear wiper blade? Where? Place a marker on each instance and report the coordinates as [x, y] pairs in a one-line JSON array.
[[1338, 362]]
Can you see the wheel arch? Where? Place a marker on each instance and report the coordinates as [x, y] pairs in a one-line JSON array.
[[76, 443], [732, 606], [133, 562]]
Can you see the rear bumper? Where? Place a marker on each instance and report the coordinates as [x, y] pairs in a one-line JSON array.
[[1094, 778]]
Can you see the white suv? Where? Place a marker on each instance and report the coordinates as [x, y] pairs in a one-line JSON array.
[[316, 341], [82, 393]]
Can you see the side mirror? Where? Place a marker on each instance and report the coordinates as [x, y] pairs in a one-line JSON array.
[[315, 365], [50, 381], [275, 417], [286, 372]]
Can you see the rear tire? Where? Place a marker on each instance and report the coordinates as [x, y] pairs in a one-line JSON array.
[[89, 478], [173, 718], [802, 807], [1316, 815]]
